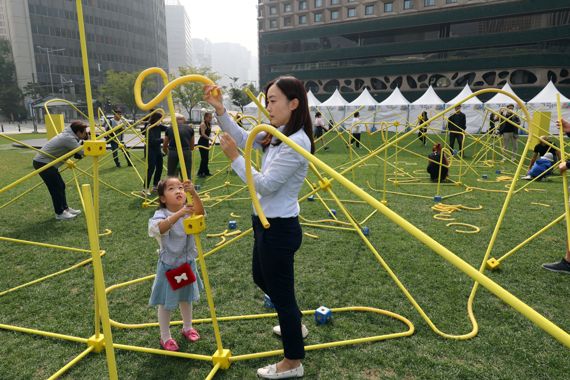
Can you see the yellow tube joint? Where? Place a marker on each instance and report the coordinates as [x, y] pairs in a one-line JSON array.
[[98, 343], [493, 263], [70, 164], [94, 148], [325, 184], [194, 224], [223, 358]]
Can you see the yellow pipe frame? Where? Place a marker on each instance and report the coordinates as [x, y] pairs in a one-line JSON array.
[[479, 277]]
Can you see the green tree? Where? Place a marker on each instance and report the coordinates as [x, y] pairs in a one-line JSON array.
[[238, 96], [190, 94], [35, 90], [11, 97], [119, 88]]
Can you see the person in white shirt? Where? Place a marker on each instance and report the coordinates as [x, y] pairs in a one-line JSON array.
[[356, 129], [283, 171]]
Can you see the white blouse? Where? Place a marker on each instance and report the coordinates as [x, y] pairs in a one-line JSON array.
[[282, 170]]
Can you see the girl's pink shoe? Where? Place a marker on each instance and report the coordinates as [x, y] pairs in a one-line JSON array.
[[169, 345], [191, 334]]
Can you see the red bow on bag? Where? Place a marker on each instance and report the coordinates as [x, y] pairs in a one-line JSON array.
[[180, 276]]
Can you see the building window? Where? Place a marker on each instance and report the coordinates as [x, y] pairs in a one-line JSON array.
[[369, 9], [287, 7], [318, 3], [302, 19], [335, 14], [450, 1], [408, 4], [303, 5], [318, 17], [351, 12], [273, 23], [272, 10], [335, 2], [429, 3], [287, 21], [389, 7]]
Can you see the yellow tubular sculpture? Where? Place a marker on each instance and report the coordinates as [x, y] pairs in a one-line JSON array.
[[478, 276]]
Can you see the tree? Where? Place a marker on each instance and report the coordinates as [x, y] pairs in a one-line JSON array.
[[11, 97], [119, 88], [238, 95], [35, 90], [190, 94]]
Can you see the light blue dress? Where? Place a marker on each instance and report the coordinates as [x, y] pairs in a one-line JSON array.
[[176, 248]]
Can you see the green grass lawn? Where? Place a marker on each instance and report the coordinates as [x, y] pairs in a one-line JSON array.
[[335, 270]]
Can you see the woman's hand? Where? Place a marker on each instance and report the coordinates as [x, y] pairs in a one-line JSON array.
[[229, 146], [215, 101], [565, 125], [562, 167]]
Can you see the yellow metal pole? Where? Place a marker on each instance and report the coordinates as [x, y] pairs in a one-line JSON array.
[[89, 101], [99, 280], [71, 363]]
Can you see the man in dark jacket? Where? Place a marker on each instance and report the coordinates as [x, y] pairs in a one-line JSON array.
[[456, 125], [509, 130]]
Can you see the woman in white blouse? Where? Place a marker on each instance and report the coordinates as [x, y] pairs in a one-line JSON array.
[[278, 184]]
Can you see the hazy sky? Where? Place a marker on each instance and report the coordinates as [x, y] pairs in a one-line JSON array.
[[224, 21]]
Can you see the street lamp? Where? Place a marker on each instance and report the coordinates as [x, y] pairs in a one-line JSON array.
[[64, 82], [48, 51]]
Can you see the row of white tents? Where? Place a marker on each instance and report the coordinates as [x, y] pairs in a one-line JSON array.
[[397, 110]]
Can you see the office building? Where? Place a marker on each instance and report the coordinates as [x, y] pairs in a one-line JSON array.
[[411, 44], [178, 36]]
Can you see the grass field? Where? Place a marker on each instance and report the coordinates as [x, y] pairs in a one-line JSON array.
[[335, 270]]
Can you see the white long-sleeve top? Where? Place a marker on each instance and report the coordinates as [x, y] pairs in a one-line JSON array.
[[282, 170]]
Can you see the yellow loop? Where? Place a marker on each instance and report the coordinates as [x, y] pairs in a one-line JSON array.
[[234, 215], [474, 231], [310, 235], [443, 216], [221, 241], [471, 208], [167, 89], [218, 235]]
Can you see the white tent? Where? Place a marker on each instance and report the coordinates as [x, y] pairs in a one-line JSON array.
[[312, 99], [429, 102], [394, 108], [251, 108], [334, 108], [502, 100], [545, 101], [472, 108], [365, 100]]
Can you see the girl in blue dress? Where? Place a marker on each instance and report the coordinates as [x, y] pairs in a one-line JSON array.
[[176, 248]]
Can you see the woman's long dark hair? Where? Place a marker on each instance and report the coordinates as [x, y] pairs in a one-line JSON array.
[[300, 117]]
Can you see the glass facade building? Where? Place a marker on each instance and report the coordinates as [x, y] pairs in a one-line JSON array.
[[126, 35], [416, 43]]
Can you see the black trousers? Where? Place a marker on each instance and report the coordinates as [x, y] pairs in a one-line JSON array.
[[55, 185], [456, 137], [154, 166], [273, 271], [172, 164], [114, 148], [204, 157], [355, 138]]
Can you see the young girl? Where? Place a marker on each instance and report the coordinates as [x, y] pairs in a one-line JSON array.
[[176, 248], [278, 183]]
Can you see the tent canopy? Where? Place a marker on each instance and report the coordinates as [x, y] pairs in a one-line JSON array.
[[364, 99], [429, 98], [335, 100], [395, 99], [548, 95], [501, 98], [463, 94], [312, 99]]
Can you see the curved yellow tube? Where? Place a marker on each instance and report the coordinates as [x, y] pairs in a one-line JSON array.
[[166, 89]]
